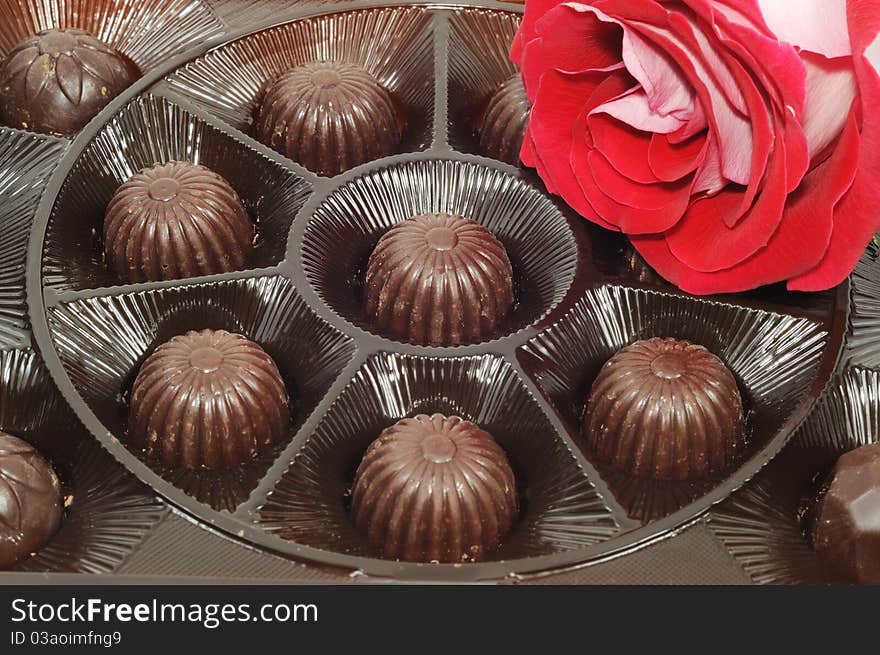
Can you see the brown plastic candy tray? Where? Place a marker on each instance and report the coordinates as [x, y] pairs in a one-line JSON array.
[[580, 295]]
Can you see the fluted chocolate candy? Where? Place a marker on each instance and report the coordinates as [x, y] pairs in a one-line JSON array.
[[846, 532], [30, 500], [328, 116], [438, 279], [176, 220], [665, 409], [434, 489], [55, 82], [209, 399], [504, 121]]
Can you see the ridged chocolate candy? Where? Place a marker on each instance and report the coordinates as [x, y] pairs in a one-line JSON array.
[[176, 220], [504, 121], [434, 489], [438, 279], [846, 532], [665, 409], [209, 399], [55, 82], [328, 116], [30, 500]]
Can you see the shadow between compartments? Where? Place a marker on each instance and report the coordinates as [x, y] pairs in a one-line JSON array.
[[344, 229], [147, 131], [560, 509], [399, 53], [102, 342], [26, 162], [479, 63], [107, 511], [775, 359], [762, 525]]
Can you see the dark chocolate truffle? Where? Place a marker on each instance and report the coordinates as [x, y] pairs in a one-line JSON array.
[[173, 221], [438, 279], [208, 399], [846, 532], [55, 82], [30, 500], [434, 489], [503, 124], [665, 409], [328, 116]]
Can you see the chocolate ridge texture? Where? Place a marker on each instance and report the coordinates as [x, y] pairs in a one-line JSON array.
[[328, 117], [176, 220], [434, 489], [440, 280], [210, 399], [665, 409]]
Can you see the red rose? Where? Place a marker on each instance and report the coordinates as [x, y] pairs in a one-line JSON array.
[[736, 142]]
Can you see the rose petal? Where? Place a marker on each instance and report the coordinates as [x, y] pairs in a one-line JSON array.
[[561, 96], [815, 25], [625, 191], [831, 90], [634, 109], [672, 161], [703, 241], [857, 216], [797, 246], [576, 41], [625, 148]]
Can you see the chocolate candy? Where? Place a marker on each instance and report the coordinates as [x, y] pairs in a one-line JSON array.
[[434, 489], [846, 531], [438, 279], [176, 220], [208, 399], [328, 116], [503, 124], [665, 409], [55, 82], [30, 500]]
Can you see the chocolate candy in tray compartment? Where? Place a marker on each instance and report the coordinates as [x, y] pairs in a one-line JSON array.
[[665, 409], [209, 399], [328, 117], [434, 489], [57, 81], [173, 221], [438, 279], [503, 123], [30, 500], [846, 526]]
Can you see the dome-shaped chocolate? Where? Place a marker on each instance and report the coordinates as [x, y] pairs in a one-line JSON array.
[[55, 82], [846, 531], [665, 409], [434, 489], [328, 116], [503, 124], [173, 221], [30, 500], [208, 399], [438, 279]]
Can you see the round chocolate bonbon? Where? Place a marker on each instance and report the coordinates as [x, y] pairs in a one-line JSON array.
[[665, 409], [503, 123], [173, 221], [209, 399], [434, 489], [30, 500], [57, 81], [438, 279], [846, 529], [328, 117]]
